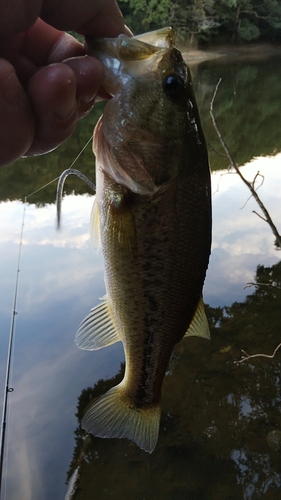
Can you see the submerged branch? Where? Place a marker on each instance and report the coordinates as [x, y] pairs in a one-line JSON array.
[[250, 185]]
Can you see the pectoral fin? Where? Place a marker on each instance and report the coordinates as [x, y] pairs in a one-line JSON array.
[[95, 226], [97, 330], [199, 325], [120, 222]]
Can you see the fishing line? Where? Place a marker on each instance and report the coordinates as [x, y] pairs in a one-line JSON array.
[[7, 388], [74, 161]]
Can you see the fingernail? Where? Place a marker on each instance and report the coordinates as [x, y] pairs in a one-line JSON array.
[[85, 106], [86, 102]]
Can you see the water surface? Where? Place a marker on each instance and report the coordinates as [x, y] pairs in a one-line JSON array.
[[215, 440]]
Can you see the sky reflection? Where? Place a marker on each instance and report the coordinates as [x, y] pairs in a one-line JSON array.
[[61, 278], [241, 240]]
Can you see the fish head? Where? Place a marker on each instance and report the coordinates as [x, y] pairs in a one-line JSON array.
[[152, 116]]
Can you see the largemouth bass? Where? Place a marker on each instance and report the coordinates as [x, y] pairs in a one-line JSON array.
[[152, 216]]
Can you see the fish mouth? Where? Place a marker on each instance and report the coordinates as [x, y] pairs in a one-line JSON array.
[[117, 54], [131, 48]]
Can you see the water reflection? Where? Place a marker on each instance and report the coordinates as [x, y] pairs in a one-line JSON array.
[[216, 427], [247, 109], [216, 420], [60, 278], [240, 238]]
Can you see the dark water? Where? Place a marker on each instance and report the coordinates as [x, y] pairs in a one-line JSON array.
[[220, 435]]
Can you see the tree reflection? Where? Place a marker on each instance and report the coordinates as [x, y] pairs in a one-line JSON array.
[[29, 174], [247, 109], [218, 417]]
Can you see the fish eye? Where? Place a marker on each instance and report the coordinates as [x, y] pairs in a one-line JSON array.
[[173, 86]]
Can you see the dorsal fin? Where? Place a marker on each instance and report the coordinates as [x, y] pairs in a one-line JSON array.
[[199, 326], [97, 330]]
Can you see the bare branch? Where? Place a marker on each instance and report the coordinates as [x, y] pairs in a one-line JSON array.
[[254, 212], [248, 285], [254, 13], [218, 185], [253, 183], [216, 151], [243, 206], [248, 356], [255, 178], [250, 185]]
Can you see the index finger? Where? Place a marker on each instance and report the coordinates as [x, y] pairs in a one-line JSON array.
[[18, 15], [97, 18]]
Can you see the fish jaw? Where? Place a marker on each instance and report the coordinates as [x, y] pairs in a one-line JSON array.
[[129, 59], [117, 54]]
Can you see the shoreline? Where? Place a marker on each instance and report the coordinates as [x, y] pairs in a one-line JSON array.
[[251, 51]]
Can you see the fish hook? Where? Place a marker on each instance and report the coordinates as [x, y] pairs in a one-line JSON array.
[[60, 185]]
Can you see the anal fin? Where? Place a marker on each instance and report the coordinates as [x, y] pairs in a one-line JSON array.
[[199, 326]]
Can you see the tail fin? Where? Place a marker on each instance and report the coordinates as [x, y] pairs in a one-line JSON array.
[[114, 415]]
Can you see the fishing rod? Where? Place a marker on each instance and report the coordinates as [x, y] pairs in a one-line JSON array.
[[7, 388]]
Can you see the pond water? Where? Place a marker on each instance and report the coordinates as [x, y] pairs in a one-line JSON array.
[[220, 435]]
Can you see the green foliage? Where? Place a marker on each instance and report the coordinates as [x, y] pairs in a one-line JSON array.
[[206, 21], [273, 8], [143, 15], [246, 108], [78, 37], [248, 31]]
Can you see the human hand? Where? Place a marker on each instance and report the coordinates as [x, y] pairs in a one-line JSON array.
[[46, 81]]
